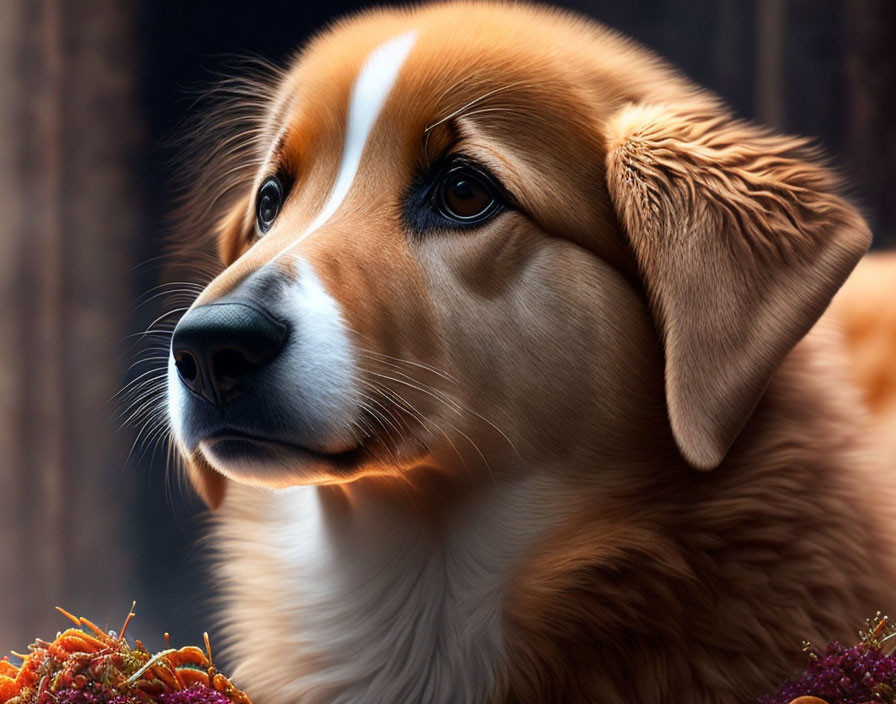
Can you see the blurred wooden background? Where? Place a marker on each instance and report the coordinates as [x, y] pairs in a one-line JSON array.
[[70, 131], [91, 89]]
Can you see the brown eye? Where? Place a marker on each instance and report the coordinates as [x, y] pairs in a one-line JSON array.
[[467, 195], [267, 204]]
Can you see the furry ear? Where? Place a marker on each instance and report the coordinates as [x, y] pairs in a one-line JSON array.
[[741, 241], [210, 484]]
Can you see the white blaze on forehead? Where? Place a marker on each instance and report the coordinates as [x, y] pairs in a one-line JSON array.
[[369, 93]]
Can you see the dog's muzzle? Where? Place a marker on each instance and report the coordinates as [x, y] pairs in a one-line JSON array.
[[262, 378]]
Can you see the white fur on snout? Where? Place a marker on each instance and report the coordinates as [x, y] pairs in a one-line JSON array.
[[319, 364]]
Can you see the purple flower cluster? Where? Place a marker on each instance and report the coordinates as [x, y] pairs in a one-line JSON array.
[[841, 676], [195, 694], [92, 695]]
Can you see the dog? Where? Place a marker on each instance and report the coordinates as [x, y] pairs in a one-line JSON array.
[[511, 385]]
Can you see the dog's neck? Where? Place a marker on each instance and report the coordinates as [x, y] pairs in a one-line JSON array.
[[376, 594]]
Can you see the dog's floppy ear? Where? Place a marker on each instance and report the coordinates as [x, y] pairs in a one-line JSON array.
[[741, 242], [210, 485]]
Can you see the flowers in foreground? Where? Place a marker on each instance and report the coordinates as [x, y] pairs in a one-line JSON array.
[[86, 665]]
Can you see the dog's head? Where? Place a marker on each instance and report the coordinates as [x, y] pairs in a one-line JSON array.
[[480, 231]]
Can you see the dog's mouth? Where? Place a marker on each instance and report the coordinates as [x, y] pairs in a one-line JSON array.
[[254, 459]]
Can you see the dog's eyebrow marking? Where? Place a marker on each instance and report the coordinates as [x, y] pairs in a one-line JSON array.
[[369, 93]]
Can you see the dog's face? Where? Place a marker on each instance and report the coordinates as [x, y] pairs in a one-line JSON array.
[[441, 261]]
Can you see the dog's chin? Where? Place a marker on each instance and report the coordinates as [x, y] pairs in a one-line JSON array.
[[278, 465]]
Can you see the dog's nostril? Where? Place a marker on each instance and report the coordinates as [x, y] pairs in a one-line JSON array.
[[186, 366]]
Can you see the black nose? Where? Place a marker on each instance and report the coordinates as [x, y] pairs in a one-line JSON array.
[[219, 347]]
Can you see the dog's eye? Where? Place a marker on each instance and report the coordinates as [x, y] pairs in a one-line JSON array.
[[268, 203], [455, 193], [466, 195]]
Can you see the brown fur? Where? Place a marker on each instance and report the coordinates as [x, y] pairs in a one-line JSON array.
[[700, 588], [643, 314], [865, 309]]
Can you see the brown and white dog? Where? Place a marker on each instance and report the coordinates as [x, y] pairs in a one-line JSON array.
[[508, 380]]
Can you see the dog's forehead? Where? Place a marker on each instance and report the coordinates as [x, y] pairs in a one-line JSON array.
[[449, 70], [464, 49]]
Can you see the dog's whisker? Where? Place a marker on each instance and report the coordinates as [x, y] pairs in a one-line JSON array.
[[428, 424], [147, 404], [424, 422], [153, 439], [180, 293], [161, 357], [370, 399], [147, 333], [455, 406], [463, 110], [167, 314], [502, 110], [167, 285], [144, 412], [459, 406], [136, 393], [153, 340], [475, 101], [395, 422], [396, 361], [389, 440], [139, 385], [366, 351], [140, 434], [421, 387]]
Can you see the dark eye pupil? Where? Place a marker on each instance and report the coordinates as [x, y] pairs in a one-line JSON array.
[[463, 189], [465, 197], [268, 202], [268, 207]]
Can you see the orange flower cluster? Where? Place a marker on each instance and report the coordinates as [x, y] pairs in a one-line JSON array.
[[86, 665]]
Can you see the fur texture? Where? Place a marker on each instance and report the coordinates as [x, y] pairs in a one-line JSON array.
[[523, 520], [865, 310]]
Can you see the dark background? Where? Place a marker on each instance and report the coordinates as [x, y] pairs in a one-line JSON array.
[[93, 94]]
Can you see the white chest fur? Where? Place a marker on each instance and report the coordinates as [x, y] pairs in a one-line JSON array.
[[363, 603]]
